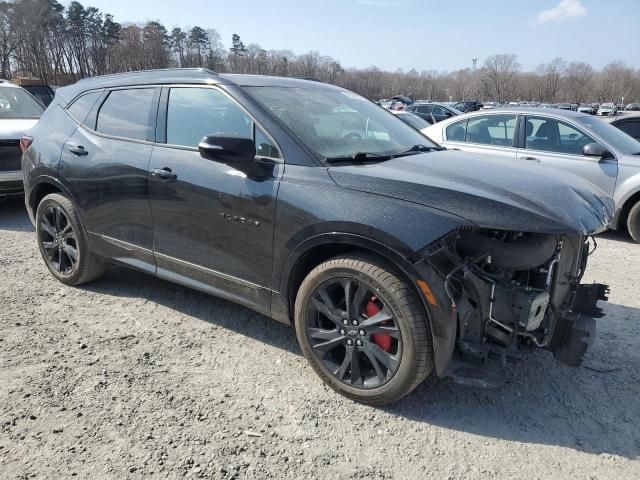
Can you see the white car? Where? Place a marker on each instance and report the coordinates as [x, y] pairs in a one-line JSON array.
[[19, 111], [576, 142], [607, 109]]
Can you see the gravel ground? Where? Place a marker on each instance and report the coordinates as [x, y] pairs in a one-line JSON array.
[[133, 377]]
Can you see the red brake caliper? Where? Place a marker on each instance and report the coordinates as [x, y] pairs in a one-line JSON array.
[[380, 339]]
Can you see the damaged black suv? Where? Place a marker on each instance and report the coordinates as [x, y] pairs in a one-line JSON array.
[[393, 258]]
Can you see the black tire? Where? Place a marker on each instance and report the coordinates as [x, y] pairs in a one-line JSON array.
[[633, 222], [60, 234], [413, 346]]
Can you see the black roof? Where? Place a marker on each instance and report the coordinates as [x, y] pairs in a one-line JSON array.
[[181, 75]]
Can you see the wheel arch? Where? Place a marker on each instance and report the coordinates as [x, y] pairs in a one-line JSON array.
[[620, 220], [312, 252]]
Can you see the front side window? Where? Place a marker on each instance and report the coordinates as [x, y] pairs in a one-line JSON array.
[[81, 107], [125, 113], [17, 103], [337, 123], [194, 113], [551, 135], [497, 130]]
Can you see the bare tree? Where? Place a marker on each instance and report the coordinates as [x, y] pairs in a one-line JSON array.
[[500, 73]]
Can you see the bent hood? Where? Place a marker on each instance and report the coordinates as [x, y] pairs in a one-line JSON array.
[[489, 191]]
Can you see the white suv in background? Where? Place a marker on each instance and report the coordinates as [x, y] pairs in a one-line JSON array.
[[19, 111]]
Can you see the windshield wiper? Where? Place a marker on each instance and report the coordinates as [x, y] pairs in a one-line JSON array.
[[359, 157], [422, 148]]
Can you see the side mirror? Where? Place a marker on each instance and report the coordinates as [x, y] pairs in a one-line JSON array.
[[237, 152], [229, 150], [596, 150]]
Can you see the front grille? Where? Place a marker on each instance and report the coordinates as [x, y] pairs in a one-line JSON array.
[[10, 155]]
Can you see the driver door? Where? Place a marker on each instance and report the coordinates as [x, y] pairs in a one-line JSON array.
[[213, 225]]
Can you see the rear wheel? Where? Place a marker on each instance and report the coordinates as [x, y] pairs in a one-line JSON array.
[[63, 243], [362, 329], [633, 222]]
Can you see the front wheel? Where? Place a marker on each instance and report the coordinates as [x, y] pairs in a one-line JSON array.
[[362, 329], [63, 243], [633, 222]]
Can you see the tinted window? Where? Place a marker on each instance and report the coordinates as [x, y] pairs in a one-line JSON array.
[[17, 103], [83, 105], [264, 145], [492, 130], [630, 127], [456, 132], [438, 110], [414, 120], [41, 92], [125, 113], [424, 109], [550, 135], [194, 113]]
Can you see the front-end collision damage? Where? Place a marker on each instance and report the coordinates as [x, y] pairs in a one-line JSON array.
[[508, 293]]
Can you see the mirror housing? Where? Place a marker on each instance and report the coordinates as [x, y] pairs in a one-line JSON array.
[[596, 150], [228, 149], [237, 152]]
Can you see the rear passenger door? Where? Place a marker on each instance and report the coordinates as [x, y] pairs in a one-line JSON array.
[[105, 165], [557, 143]]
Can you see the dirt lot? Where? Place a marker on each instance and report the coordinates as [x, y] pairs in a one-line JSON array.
[[134, 377]]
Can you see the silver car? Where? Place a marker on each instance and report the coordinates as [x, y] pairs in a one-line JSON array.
[[577, 142], [19, 111]]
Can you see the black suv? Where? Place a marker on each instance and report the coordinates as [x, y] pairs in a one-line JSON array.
[[395, 260]]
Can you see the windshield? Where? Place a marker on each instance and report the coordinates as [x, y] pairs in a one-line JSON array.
[[414, 120], [16, 103], [610, 134], [338, 123]]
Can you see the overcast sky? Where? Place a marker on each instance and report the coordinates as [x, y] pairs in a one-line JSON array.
[[420, 34]]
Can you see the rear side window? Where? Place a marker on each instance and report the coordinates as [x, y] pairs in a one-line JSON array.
[[456, 132], [496, 130], [126, 113], [81, 107]]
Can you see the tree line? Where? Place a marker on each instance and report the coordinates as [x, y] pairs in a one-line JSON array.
[[60, 45]]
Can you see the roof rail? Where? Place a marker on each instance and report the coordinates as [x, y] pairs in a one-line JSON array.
[[195, 69]]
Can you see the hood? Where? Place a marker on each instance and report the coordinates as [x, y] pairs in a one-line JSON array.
[[488, 191], [14, 128]]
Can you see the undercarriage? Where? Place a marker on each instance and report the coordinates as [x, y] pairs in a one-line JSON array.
[[513, 292]]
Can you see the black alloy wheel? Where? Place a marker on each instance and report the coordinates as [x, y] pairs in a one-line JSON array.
[[358, 347], [363, 329], [58, 240], [63, 243]]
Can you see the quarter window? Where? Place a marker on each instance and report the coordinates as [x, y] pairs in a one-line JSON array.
[[550, 135], [83, 105], [456, 132], [125, 113], [496, 130], [264, 146]]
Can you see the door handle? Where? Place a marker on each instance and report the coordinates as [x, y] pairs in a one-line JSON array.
[[164, 174], [77, 150], [531, 158]]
